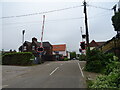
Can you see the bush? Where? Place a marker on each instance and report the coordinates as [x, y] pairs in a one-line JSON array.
[[111, 79], [107, 81], [107, 64], [17, 58], [95, 61], [82, 57], [66, 59], [94, 66], [111, 66]]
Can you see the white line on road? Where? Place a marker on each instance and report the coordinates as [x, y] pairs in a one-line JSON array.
[[4, 86], [53, 71], [80, 70]]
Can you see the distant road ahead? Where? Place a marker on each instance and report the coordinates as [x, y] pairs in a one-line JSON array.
[[54, 74]]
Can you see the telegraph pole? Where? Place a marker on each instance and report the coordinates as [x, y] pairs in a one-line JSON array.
[[86, 26]]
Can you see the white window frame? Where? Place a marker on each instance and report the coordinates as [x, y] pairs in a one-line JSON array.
[[33, 47], [25, 48]]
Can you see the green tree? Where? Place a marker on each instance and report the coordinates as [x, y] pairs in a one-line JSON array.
[[72, 55], [116, 21]]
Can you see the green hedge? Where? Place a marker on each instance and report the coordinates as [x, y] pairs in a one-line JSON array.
[[17, 58]]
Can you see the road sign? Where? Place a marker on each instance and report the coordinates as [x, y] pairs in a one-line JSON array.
[[40, 49]]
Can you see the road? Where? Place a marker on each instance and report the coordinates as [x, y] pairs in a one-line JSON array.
[[54, 74]]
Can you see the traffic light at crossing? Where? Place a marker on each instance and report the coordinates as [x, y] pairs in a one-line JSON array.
[[82, 45]]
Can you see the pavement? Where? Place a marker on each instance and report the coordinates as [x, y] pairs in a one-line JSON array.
[[53, 74]]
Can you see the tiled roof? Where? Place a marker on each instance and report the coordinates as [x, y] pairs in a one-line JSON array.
[[96, 44], [61, 47], [100, 43], [45, 44]]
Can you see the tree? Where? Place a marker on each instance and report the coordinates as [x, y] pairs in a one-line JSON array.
[[72, 55], [116, 21]]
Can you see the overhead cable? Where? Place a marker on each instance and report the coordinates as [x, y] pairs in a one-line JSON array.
[[99, 7], [31, 14]]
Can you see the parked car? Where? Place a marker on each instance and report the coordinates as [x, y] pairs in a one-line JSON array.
[[74, 59]]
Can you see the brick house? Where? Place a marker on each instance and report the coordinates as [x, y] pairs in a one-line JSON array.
[[60, 49], [32, 47], [94, 44], [60, 52]]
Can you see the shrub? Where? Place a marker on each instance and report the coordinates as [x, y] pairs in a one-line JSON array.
[[66, 59], [111, 66], [95, 61], [82, 57], [107, 64], [94, 66], [17, 58], [107, 81]]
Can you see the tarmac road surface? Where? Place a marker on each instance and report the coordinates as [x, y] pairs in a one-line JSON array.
[[53, 74]]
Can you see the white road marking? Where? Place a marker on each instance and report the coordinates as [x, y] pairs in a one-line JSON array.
[[4, 86], [61, 64], [80, 70], [48, 64], [53, 71]]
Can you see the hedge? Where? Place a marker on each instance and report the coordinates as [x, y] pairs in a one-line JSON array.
[[17, 58]]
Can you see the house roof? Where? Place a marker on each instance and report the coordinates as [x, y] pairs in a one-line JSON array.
[[96, 44], [45, 44], [61, 47], [100, 43]]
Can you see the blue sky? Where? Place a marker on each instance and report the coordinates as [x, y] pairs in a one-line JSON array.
[[57, 30]]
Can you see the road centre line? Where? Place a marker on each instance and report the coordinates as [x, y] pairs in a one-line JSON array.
[[81, 70], [53, 71]]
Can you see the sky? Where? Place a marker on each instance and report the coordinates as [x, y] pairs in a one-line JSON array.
[[61, 27]]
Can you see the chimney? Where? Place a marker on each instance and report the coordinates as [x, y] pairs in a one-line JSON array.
[[34, 39]]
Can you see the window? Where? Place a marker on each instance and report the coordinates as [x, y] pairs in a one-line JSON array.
[[25, 48], [33, 47]]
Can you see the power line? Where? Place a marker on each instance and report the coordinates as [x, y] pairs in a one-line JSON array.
[[100, 7], [64, 19], [42, 12], [45, 21]]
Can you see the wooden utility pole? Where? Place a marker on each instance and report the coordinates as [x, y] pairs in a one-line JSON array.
[[86, 25]]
